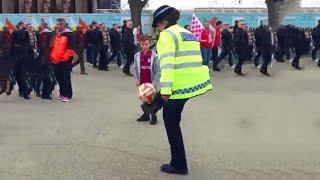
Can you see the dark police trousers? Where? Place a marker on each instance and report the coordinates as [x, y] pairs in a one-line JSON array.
[[172, 116], [62, 72]]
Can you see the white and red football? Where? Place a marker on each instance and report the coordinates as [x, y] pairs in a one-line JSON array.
[[146, 92]]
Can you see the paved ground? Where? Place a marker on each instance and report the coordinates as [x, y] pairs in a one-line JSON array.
[[247, 128]]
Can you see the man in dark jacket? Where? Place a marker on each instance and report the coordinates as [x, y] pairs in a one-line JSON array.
[[227, 44], [268, 43], [298, 43], [5, 61], [44, 66], [258, 34], [92, 43], [103, 48], [128, 46], [21, 42], [241, 47], [32, 57], [115, 41], [80, 46], [316, 42]]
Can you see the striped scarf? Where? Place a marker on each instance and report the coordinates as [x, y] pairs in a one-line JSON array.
[[105, 38], [33, 39], [250, 38]]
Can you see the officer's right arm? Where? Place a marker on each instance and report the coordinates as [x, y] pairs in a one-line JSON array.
[[166, 53]]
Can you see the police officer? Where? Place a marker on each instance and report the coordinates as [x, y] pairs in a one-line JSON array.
[[183, 76]]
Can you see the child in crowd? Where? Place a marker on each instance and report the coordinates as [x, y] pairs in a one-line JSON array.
[[147, 70]]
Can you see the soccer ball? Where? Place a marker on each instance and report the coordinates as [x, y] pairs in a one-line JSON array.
[[146, 92]]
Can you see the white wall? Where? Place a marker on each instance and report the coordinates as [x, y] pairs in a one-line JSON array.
[[191, 4]]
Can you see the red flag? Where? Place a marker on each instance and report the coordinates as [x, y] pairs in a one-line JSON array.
[[196, 26], [83, 25], [9, 25]]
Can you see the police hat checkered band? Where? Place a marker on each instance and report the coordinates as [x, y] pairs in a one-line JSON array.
[[162, 11]]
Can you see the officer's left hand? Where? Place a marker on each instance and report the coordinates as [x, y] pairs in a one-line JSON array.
[[165, 98]]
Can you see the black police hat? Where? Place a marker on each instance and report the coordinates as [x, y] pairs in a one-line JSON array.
[[161, 13], [94, 23], [20, 23]]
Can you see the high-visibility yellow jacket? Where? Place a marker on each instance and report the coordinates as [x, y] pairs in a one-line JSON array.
[[182, 73]]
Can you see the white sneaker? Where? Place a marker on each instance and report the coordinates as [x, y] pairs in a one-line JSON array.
[[259, 67], [65, 99], [59, 97]]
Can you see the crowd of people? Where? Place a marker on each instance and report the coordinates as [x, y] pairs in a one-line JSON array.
[[38, 61], [263, 44]]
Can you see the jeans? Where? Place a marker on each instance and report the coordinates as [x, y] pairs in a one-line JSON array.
[[130, 59], [215, 51], [206, 55], [92, 54], [114, 54], [226, 52]]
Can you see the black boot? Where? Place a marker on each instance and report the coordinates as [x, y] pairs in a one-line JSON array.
[[26, 97], [167, 168], [144, 117], [215, 68], [153, 120]]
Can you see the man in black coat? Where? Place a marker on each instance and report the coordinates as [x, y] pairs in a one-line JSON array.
[[268, 43], [258, 34], [80, 47], [103, 48], [316, 42], [92, 44], [115, 41], [21, 42], [299, 42], [5, 61], [128, 46], [241, 47], [44, 66], [227, 44]]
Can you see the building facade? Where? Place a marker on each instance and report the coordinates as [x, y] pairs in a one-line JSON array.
[[56, 6]]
